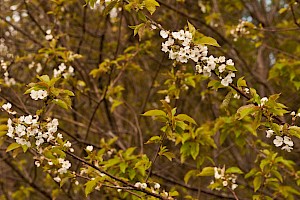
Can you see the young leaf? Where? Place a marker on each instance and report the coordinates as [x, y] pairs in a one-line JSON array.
[[12, 147], [189, 175], [241, 82], [194, 150], [246, 110], [207, 171], [191, 28], [234, 170], [154, 113], [207, 41], [257, 183], [184, 117], [90, 186], [44, 78], [154, 139], [60, 103], [151, 5]]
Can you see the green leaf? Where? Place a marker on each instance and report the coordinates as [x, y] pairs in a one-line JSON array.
[[241, 82], [154, 113], [151, 5], [90, 186], [251, 173], [194, 150], [173, 193], [25, 148], [257, 183], [142, 17], [131, 173], [189, 175], [207, 41], [44, 78], [3, 133], [154, 139], [115, 104], [207, 171], [295, 131], [36, 87], [68, 92], [64, 181], [168, 155], [234, 170], [53, 81], [3, 127], [12, 147], [184, 117], [246, 110], [282, 10], [277, 175], [231, 68], [123, 167], [215, 84], [60, 103], [191, 28]]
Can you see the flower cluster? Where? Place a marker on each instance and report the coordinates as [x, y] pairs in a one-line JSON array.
[[65, 165], [293, 113], [27, 130], [49, 36], [7, 108], [281, 140], [62, 70], [140, 185], [38, 66], [263, 101], [38, 94], [219, 64], [7, 80], [240, 30], [4, 52], [224, 180], [181, 48], [3, 47]]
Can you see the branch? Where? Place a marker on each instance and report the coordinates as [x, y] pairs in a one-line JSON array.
[[116, 178]]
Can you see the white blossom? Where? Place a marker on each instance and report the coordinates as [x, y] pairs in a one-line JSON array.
[[230, 62], [269, 133], [68, 144], [137, 184], [38, 94], [287, 148], [234, 186], [278, 141], [263, 101], [37, 163], [140, 185], [144, 185], [164, 34], [156, 186], [57, 179], [7, 106], [287, 140], [89, 148], [49, 37]]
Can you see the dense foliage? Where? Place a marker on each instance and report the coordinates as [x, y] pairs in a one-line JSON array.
[[149, 99]]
